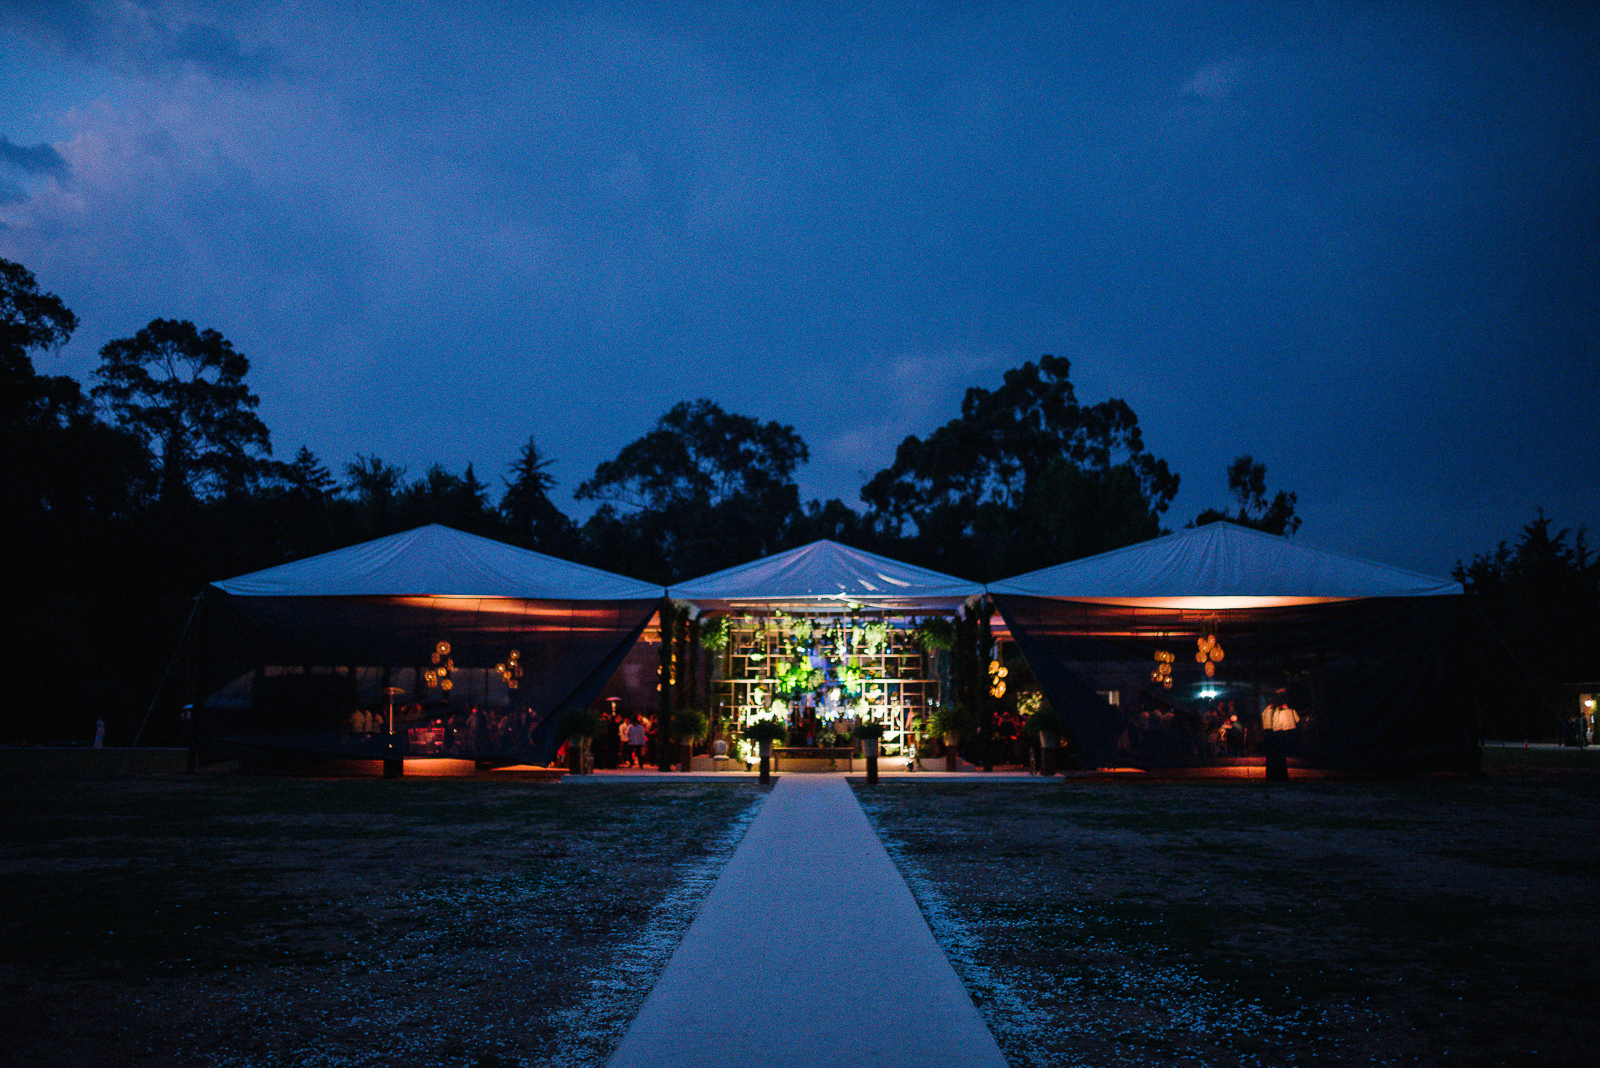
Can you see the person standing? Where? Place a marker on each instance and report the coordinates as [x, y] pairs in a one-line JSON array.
[[100, 733], [637, 737]]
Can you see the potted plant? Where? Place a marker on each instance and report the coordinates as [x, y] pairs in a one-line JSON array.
[[688, 726], [764, 732], [578, 727], [935, 635], [714, 635], [951, 722], [1049, 725], [870, 734]]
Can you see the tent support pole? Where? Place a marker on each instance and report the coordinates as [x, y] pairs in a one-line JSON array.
[[182, 640]]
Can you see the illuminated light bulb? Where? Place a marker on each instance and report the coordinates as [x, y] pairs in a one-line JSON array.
[[514, 654], [501, 668], [1167, 683]]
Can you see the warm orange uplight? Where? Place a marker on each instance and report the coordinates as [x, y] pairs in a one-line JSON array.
[[1210, 604]]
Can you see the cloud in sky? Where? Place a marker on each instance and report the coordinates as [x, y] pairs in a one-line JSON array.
[[147, 37], [1350, 245], [33, 159]]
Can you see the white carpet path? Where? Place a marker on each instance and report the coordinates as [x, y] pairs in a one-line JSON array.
[[809, 951]]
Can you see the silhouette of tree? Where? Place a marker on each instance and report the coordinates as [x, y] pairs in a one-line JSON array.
[[29, 320], [56, 457], [1247, 481], [703, 490], [376, 486], [1025, 477], [459, 501], [305, 475], [182, 392], [529, 514], [1541, 599]]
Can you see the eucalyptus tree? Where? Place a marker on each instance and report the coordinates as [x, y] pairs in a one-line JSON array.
[[1247, 482], [702, 490], [1026, 476], [182, 392]]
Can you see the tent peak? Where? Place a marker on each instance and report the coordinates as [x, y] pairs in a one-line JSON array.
[[1222, 561], [825, 573], [437, 561]]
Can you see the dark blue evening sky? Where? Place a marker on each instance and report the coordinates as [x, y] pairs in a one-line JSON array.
[[1359, 241]]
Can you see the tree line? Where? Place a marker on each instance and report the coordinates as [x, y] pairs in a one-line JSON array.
[[123, 499]]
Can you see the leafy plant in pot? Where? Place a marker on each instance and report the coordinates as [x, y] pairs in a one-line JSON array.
[[578, 727], [688, 726], [764, 732], [869, 734], [1049, 725], [952, 722]]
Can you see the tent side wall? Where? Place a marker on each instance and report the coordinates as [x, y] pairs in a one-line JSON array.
[[310, 675], [1374, 682]]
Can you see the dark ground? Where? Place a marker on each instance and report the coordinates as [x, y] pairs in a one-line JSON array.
[[1339, 923], [230, 920]]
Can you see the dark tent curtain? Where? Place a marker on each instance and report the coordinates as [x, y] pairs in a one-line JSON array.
[[310, 675], [1374, 684]]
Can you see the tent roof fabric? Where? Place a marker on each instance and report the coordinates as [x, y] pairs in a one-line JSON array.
[[436, 561], [827, 574], [1220, 563]]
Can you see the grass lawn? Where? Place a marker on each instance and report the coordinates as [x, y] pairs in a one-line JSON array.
[[1187, 923], [230, 920]]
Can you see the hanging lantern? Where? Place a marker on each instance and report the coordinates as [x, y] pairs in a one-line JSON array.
[[997, 679], [1211, 669], [443, 648]]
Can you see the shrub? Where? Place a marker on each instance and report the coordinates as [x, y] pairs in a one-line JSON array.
[[1047, 720], [954, 719], [579, 723], [767, 730], [689, 724]]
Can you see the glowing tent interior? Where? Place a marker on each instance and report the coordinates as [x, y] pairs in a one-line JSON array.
[[1224, 645], [824, 637], [469, 647]]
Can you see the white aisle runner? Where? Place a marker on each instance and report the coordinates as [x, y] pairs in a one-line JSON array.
[[810, 950]]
